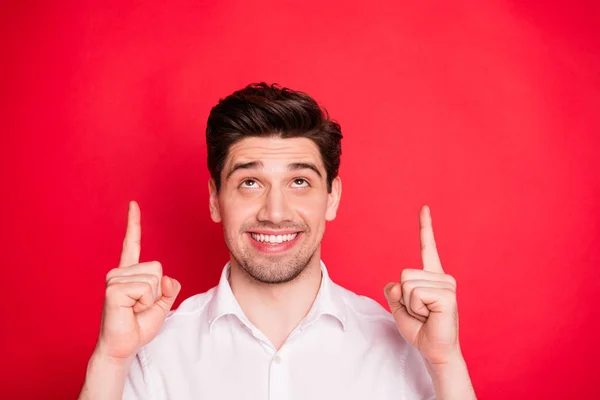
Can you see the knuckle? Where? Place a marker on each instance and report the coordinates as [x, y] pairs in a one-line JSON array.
[[111, 290], [450, 295], [407, 286], [127, 242], [157, 267], [406, 274], [450, 279], [111, 274], [148, 287], [154, 282], [149, 291]]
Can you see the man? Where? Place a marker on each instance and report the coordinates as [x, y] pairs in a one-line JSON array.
[[276, 326]]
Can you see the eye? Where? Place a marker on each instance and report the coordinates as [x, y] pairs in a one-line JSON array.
[[300, 183], [249, 183]]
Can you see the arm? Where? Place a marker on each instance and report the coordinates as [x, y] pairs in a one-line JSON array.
[[426, 313], [451, 381], [105, 378], [137, 300]]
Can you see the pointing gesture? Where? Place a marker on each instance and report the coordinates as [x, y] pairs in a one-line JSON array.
[[424, 302], [138, 297], [133, 237], [429, 254]]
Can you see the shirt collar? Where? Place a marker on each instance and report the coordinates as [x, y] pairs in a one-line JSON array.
[[224, 302], [328, 301]]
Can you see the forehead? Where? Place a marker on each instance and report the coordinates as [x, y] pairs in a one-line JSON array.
[[272, 150]]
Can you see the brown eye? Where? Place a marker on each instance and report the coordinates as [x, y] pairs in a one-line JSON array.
[[300, 183], [248, 183]]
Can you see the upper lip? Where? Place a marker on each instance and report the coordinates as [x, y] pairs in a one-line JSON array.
[[274, 233]]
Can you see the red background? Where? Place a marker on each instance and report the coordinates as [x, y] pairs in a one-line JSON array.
[[486, 111]]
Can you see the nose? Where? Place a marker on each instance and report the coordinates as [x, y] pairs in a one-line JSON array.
[[275, 207]]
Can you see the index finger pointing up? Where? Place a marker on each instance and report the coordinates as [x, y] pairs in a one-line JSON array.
[[133, 236], [429, 254]]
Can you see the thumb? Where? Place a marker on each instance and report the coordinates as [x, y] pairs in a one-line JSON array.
[[393, 294], [170, 289], [158, 312], [406, 324], [150, 320]]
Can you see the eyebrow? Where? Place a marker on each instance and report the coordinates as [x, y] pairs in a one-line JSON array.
[[259, 165], [304, 165], [248, 165]]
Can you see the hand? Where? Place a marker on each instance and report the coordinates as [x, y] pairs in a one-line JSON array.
[[138, 298], [424, 303]]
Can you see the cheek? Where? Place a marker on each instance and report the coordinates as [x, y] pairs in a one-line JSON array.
[[236, 212], [311, 210]]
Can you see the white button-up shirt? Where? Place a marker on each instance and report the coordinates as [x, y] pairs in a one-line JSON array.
[[347, 347]]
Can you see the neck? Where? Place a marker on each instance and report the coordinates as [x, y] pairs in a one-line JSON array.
[[276, 309]]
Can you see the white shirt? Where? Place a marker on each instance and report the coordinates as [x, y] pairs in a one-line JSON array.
[[347, 347]]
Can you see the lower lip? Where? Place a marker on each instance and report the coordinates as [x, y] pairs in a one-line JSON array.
[[276, 247]]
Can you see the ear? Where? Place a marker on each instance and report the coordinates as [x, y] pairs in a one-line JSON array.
[[215, 213], [333, 199]]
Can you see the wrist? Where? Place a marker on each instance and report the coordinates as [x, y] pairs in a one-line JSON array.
[[453, 361], [105, 377], [102, 367], [100, 359], [451, 379], [106, 354]]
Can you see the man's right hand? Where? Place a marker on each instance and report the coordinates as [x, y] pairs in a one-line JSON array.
[[138, 298]]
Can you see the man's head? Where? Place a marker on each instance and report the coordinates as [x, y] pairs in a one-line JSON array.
[[273, 156]]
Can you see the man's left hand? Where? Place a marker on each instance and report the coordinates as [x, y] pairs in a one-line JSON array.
[[424, 303]]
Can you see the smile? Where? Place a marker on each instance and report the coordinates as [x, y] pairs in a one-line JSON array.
[[270, 243], [259, 237]]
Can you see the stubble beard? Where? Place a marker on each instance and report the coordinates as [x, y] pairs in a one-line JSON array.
[[273, 271], [276, 269]]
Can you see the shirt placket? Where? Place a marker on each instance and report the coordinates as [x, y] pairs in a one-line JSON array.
[[279, 384]]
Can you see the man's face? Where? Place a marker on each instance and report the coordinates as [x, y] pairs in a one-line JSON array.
[[273, 205]]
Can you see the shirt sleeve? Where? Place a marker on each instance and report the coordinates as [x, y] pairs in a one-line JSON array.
[[136, 383]]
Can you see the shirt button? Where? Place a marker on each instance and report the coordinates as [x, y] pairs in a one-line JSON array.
[[277, 359]]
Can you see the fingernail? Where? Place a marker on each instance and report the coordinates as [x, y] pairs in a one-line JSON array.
[[388, 287], [174, 284]]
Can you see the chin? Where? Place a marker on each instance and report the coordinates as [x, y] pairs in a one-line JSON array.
[[274, 269]]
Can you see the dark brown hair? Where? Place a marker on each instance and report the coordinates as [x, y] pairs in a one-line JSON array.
[[266, 110]]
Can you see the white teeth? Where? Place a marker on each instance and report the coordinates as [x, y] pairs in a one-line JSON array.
[[273, 238]]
